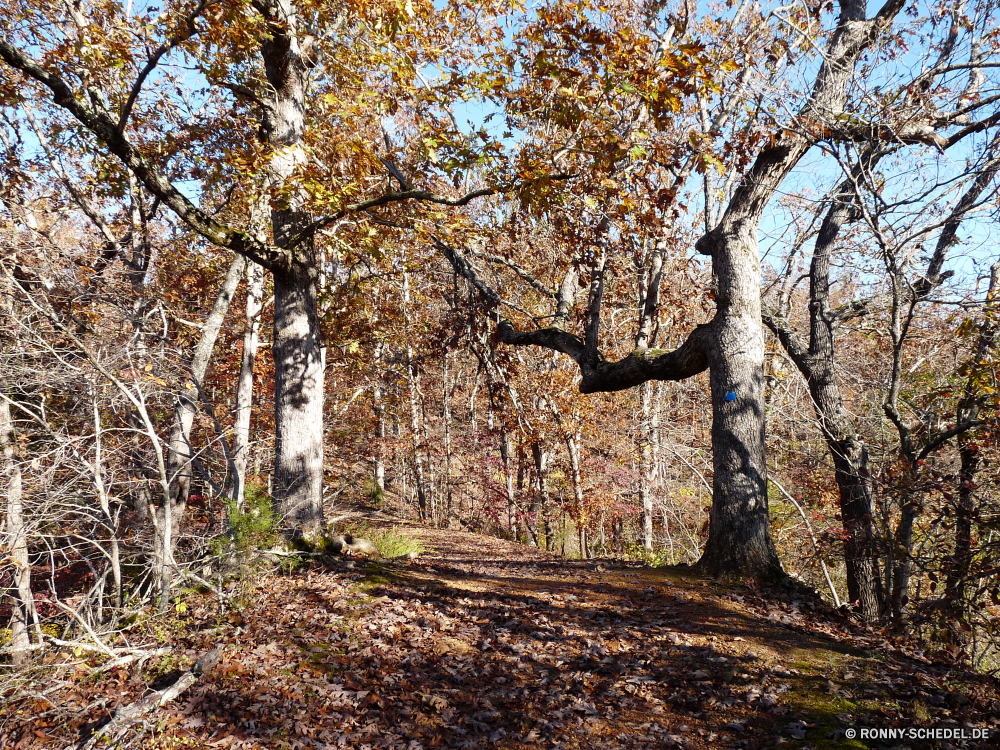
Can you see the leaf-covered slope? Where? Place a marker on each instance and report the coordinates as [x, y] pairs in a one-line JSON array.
[[485, 643]]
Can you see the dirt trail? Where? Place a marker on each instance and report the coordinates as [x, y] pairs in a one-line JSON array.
[[483, 643], [602, 654]]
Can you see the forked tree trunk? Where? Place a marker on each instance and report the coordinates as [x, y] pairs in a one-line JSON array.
[[244, 386]]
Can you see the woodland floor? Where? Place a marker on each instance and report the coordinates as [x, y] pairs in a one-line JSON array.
[[488, 644]]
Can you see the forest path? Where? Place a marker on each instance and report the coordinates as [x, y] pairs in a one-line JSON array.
[[564, 653], [484, 643]]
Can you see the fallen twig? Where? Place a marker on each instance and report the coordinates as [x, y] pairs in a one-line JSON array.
[[124, 717], [137, 655]]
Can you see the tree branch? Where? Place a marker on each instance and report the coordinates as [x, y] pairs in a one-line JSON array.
[[635, 369], [598, 375], [99, 122], [188, 31]]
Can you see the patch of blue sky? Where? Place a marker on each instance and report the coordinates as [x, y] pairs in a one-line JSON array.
[[902, 183]]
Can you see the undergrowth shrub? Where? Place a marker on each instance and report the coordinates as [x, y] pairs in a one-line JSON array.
[[392, 542], [374, 493], [255, 525]]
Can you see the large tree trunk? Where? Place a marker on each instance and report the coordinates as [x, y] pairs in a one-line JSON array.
[[850, 461], [298, 400], [739, 512], [739, 540], [298, 357]]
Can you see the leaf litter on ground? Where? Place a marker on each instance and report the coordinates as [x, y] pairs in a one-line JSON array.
[[484, 643]]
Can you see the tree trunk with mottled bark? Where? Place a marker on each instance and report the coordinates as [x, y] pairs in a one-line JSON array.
[[297, 346], [21, 597]]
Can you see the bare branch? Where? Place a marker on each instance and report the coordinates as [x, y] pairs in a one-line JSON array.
[[189, 30]]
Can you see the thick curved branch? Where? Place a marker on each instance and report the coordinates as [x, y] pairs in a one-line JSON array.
[[635, 369], [466, 270], [598, 374], [791, 341]]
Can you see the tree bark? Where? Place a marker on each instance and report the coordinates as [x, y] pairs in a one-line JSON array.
[[647, 466], [379, 457], [739, 540], [540, 507], [298, 399], [21, 597], [508, 474], [416, 415], [244, 386], [297, 346], [446, 415], [580, 514]]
